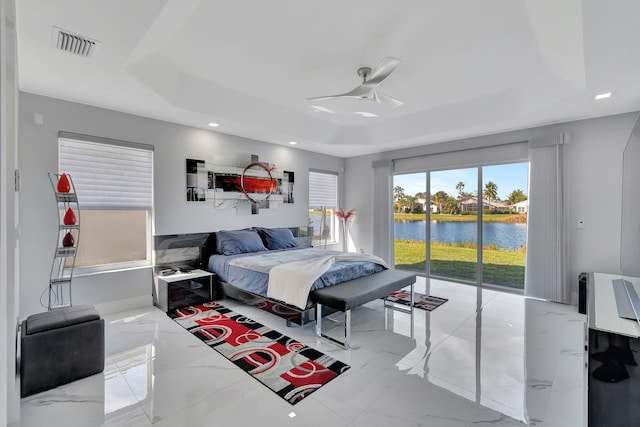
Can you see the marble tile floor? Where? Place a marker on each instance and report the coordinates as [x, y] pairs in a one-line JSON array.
[[484, 358]]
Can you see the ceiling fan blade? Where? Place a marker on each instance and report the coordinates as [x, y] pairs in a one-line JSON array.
[[383, 99], [367, 90], [358, 93], [382, 71], [322, 98]]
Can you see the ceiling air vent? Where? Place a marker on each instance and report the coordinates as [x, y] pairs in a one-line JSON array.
[[73, 43]]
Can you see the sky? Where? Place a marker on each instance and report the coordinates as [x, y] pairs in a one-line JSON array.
[[507, 177]]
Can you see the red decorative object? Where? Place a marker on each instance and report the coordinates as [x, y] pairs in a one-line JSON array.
[[345, 215], [68, 240], [69, 217], [346, 218], [63, 184], [267, 185]]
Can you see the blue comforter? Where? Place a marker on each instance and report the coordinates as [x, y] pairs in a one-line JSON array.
[[257, 282]]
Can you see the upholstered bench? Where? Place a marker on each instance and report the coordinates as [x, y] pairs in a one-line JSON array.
[[60, 346], [356, 292]]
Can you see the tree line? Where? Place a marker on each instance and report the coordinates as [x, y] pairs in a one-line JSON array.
[[447, 204]]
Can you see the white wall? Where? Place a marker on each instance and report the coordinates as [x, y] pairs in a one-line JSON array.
[[630, 252], [173, 214], [9, 397], [594, 192]]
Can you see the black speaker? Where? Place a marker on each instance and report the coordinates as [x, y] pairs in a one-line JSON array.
[[582, 293]]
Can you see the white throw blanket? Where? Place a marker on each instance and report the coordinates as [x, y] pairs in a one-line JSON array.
[[291, 282]]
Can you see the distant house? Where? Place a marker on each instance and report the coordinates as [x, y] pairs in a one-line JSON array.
[[471, 205], [423, 202], [520, 207]]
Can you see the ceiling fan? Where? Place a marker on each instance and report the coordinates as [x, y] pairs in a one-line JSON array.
[[371, 79]]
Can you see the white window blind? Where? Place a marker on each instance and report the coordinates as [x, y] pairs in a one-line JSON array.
[[108, 175], [323, 189], [504, 153]]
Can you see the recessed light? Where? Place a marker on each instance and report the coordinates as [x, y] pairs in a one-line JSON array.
[[293, 143], [213, 125], [602, 96], [366, 114], [292, 414]]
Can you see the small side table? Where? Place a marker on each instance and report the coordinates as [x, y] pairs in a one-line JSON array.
[[182, 289]]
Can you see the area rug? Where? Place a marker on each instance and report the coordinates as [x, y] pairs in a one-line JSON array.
[[425, 302], [291, 369]]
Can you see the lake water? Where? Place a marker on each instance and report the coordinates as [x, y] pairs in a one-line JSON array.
[[503, 235]]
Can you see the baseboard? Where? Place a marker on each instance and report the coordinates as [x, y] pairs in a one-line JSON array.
[[124, 304]]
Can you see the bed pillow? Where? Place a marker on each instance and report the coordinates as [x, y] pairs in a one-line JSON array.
[[278, 238], [238, 242]]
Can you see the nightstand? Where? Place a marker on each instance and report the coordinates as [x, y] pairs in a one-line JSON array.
[[182, 289]]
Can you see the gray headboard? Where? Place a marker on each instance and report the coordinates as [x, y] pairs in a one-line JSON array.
[[195, 249]]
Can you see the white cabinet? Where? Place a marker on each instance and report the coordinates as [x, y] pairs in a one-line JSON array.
[[182, 289], [612, 347]]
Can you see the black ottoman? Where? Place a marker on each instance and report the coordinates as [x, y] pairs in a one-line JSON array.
[[60, 346]]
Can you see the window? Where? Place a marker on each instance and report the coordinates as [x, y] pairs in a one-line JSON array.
[[475, 229], [323, 202], [114, 182]]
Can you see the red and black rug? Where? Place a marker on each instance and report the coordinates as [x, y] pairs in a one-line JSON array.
[[425, 302], [291, 369]]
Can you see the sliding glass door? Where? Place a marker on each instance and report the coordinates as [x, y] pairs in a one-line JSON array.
[[453, 249], [477, 224], [410, 221], [504, 224]]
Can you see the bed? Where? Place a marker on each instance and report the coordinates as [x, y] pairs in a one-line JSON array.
[[245, 261]]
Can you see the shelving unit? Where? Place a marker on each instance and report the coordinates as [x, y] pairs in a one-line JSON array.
[[64, 258]]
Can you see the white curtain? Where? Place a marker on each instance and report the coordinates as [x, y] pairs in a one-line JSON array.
[[382, 215], [546, 231]]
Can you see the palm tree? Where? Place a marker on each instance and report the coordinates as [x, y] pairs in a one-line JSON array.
[[450, 205], [460, 189], [398, 193], [516, 196], [490, 191], [410, 203], [438, 199], [398, 197], [465, 195]]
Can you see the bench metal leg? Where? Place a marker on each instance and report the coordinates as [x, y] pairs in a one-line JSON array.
[[402, 309], [319, 320], [346, 344]]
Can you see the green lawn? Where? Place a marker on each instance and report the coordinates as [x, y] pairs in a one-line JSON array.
[[512, 218], [505, 268]]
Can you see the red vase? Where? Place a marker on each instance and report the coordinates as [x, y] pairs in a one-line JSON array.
[[68, 240], [63, 184], [69, 217]]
